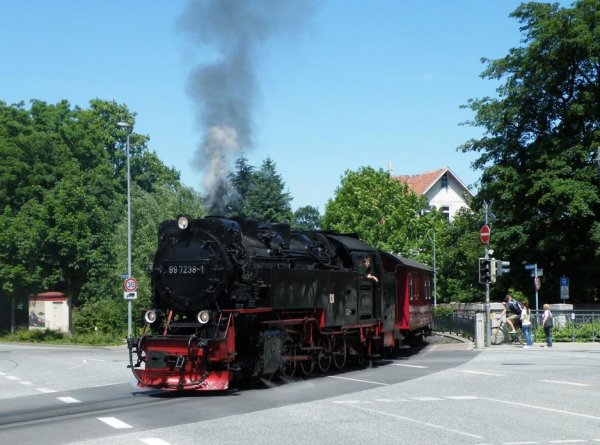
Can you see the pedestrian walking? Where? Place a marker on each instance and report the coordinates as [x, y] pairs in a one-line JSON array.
[[548, 324], [526, 325]]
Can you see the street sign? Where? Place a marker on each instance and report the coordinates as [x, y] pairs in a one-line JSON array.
[[529, 266], [564, 288], [130, 284], [537, 273], [484, 234], [130, 295]]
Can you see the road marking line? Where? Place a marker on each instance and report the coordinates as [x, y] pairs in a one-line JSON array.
[[542, 408], [107, 384], [568, 441], [409, 366], [45, 390], [420, 422], [391, 400], [426, 399], [346, 402], [12, 377], [114, 422], [462, 397], [481, 373], [357, 380], [518, 443], [68, 400], [562, 382], [26, 383], [155, 441]]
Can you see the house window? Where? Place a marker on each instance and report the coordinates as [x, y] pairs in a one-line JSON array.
[[444, 181], [446, 211]]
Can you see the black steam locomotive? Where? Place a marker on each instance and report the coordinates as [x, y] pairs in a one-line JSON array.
[[239, 299]]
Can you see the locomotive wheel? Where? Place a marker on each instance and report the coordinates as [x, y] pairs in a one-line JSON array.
[[288, 367], [324, 354], [361, 356], [339, 352], [308, 366]]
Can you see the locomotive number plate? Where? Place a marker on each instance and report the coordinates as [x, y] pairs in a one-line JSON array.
[[185, 269]]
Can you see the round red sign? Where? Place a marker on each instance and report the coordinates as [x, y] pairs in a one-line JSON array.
[[130, 284], [484, 234]]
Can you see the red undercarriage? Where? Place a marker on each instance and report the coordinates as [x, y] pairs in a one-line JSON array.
[[178, 362], [187, 363]]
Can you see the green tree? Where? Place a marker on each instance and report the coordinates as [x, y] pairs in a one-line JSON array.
[[383, 212], [63, 193], [458, 253], [307, 218], [267, 201], [242, 181], [537, 153], [58, 199]]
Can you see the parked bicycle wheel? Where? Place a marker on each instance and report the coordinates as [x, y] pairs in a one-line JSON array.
[[498, 335]]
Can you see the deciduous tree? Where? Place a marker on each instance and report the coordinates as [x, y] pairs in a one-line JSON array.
[[382, 211], [540, 141]]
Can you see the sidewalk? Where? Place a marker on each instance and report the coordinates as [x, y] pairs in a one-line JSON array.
[[556, 346]]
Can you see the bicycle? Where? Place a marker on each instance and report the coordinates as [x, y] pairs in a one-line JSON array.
[[501, 334]]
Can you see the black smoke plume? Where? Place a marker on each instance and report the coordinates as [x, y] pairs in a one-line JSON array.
[[225, 88]]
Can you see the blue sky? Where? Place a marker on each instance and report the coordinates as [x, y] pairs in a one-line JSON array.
[[362, 84]]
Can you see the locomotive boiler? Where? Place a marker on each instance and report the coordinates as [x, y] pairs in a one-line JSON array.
[[235, 298]]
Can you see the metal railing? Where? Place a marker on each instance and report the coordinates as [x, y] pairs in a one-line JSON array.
[[574, 326], [463, 325], [569, 326]]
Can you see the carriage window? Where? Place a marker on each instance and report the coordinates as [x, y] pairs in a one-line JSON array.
[[411, 287], [428, 289]]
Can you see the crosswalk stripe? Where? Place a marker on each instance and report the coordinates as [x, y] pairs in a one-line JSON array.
[[114, 422]]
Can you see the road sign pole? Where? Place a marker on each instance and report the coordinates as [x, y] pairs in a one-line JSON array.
[[130, 285], [535, 274], [488, 321]]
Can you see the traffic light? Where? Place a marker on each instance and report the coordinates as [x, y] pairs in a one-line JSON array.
[[493, 270], [485, 270], [502, 267]]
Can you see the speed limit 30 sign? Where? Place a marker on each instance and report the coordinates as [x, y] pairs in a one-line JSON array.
[[130, 284]]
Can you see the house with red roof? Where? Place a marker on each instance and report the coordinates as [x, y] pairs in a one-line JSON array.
[[442, 189]]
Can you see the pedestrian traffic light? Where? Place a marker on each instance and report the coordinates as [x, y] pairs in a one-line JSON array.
[[485, 270], [502, 267]]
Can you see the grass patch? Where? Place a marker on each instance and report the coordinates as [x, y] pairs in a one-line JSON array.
[[56, 337]]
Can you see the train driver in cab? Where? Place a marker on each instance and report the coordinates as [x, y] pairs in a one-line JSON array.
[[368, 269]]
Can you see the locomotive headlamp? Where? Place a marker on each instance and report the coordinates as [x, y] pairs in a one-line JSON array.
[[203, 317], [183, 222], [150, 316]]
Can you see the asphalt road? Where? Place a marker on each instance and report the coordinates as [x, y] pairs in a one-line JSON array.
[[444, 393]]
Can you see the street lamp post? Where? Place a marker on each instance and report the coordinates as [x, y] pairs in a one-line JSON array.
[[434, 268], [125, 125]]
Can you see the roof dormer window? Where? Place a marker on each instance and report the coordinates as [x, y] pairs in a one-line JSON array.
[[444, 181]]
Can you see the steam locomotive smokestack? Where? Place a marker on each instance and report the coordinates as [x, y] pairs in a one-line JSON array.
[[225, 89]]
